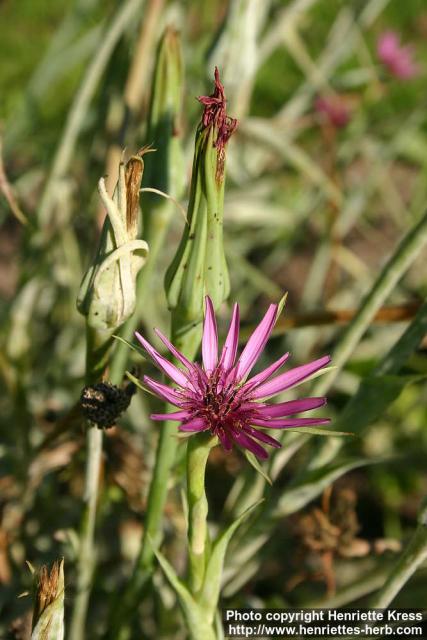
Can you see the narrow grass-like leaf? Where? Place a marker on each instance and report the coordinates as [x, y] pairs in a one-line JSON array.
[[375, 395], [135, 347], [281, 305], [311, 484], [193, 612], [210, 592], [253, 460], [397, 265], [138, 383], [413, 556], [321, 432], [379, 390]]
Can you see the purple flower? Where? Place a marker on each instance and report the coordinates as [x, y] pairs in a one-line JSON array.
[[334, 109], [397, 58], [218, 397]]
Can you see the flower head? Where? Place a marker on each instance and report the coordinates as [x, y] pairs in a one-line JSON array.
[[334, 109], [218, 397], [397, 58]]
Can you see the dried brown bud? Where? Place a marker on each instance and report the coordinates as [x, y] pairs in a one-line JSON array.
[[133, 177], [48, 617]]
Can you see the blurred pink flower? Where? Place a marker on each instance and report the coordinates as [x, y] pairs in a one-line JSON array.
[[218, 398], [397, 58], [335, 110]]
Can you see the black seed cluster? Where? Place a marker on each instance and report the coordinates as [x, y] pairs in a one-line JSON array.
[[102, 403]]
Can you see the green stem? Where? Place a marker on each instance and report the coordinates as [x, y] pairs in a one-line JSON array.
[[198, 449], [98, 348], [165, 458], [413, 556]]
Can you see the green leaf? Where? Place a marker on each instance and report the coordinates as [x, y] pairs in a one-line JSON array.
[[139, 384], [135, 347], [194, 615], [398, 355], [320, 432], [209, 596], [378, 390], [375, 394], [311, 484], [253, 460], [281, 305]]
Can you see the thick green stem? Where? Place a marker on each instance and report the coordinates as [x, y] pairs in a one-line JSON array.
[[188, 344], [165, 458], [98, 348], [197, 455]]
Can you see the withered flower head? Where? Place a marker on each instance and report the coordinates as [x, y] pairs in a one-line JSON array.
[[215, 115], [108, 289], [103, 403]]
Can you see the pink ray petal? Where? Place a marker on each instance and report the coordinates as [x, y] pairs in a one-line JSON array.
[[289, 408], [174, 351], [200, 375], [246, 442], [176, 415], [224, 439], [197, 424], [263, 437], [294, 422], [290, 378], [164, 392], [167, 367], [256, 343], [210, 338], [229, 349], [264, 375]]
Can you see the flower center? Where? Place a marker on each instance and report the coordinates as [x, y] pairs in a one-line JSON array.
[[221, 406]]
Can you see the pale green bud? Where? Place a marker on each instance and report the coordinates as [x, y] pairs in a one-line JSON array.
[[166, 172], [107, 294]]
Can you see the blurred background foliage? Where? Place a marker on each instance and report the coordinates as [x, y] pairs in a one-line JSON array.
[[312, 207]]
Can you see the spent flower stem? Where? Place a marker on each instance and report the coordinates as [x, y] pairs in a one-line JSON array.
[[98, 351]]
